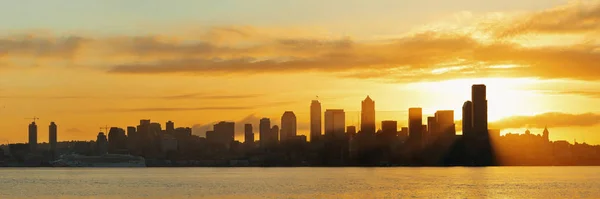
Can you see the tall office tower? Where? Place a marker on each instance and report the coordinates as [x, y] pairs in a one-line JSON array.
[[315, 120], [264, 130], [480, 109], [170, 127], [335, 122], [288, 126], [432, 126], [101, 144], [367, 116], [52, 136], [415, 122], [467, 119], [248, 134], [445, 123], [274, 137], [117, 140], [225, 132], [32, 136], [389, 127]]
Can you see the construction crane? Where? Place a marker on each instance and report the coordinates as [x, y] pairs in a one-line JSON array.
[[105, 129], [33, 118]]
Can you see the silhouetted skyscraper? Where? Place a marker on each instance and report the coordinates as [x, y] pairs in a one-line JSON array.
[[117, 140], [432, 126], [248, 134], [415, 122], [467, 119], [130, 131], [170, 127], [224, 132], [101, 144], [52, 136], [264, 130], [335, 122], [367, 116], [351, 130], [546, 134], [445, 123], [315, 120], [389, 127], [32, 136], [288, 126], [480, 109], [275, 134]]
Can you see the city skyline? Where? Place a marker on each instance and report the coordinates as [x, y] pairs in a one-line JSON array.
[[92, 64]]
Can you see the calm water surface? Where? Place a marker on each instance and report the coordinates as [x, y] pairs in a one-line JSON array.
[[495, 182]]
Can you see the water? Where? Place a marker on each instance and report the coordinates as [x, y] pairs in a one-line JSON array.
[[459, 182]]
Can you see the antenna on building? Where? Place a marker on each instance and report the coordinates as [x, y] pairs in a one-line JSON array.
[[34, 118], [105, 129]]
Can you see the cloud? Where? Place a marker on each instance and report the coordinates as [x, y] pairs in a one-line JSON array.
[[73, 130], [576, 17], [591, 94], [40, 47], [552, 119], [207, 96]]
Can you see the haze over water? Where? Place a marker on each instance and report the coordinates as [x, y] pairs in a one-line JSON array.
[[456, 182]]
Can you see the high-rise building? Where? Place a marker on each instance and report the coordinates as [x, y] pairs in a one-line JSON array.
[[52, 136], [32, 136], [432, 126], [467, 119], [480, 109], [131, 131], [274, 134], [101, 144], [415, 122], [170, 127], [248, 134], [367, 116], [335, 122], [389, 127], [315, 120], [288, 126], [264, 130], [117, 140], [445, 123], [546, 134], [224, 133]]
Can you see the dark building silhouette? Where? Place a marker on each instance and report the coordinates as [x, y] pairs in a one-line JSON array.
[[432, 126], [117, 140], [480, 109], [415, 122], [275, 134], [335, 122], [101, 144], [32, 137], [367, 116], [389, 127], [351, 131], [170, 127], [467, 119], [266, 136], [445, 123], [288, 126], [315, 120], [224, 133], [52, 137], [546, 134], [248, 134], [130, 131]]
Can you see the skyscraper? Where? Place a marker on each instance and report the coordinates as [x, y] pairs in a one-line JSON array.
[[248, 134], [101, 144], [432, 126], [335, 122], [288, 126], [467, 119], [117, 140], [170, 127], [264, 130], [52, 136], [415, 122], [480, 109], [389, 127], [224, 132], [274, 134], [32, 136], [367, 116], [315, 120], [445, 123]]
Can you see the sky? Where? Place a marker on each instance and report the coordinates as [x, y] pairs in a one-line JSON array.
[[88, 64]]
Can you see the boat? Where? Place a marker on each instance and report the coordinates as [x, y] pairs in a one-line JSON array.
[[106, 160]]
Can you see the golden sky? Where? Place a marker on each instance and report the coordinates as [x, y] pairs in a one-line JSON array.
[[539, 59]]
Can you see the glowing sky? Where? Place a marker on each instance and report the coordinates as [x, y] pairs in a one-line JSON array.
[[86, 64]]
